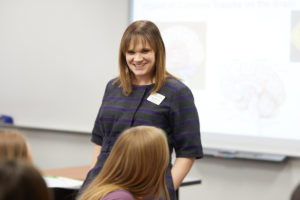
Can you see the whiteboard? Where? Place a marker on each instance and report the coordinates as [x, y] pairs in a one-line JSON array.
[[56, 58], [241, 58]]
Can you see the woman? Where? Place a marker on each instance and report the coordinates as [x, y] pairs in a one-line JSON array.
[[13, 145], [135, 168], [19, 180], [146, 94]]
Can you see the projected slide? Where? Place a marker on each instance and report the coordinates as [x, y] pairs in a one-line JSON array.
[[185, 44], [295, 36], [241, 58]]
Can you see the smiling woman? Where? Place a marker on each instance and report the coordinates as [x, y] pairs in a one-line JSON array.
[[146, 94]]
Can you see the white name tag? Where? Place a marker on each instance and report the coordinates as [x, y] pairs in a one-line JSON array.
[[156, 98]]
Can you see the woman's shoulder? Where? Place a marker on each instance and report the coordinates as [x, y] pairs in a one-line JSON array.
[[175, 84], [118, 195], [115, 82]]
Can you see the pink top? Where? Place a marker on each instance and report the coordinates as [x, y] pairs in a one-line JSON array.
[[118, 195]]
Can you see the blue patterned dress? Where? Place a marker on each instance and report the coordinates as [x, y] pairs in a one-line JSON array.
[[176, 115]]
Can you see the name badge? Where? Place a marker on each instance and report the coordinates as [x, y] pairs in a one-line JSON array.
[[156, 98]]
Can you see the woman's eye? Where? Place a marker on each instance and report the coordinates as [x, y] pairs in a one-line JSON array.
[[130, 52], [145, 50]]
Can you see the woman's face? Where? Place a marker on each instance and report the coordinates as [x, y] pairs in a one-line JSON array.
[[140, 58]]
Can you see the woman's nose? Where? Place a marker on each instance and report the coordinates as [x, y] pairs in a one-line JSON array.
[[138, 57]]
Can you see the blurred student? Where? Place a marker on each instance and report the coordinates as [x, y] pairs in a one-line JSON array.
[[135, 168], [19, 180], [296, 193], [13, 145]]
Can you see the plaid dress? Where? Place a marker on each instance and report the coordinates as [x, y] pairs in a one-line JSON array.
[[176, 115]]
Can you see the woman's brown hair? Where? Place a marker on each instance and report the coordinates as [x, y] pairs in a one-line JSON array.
[[137, 163], [20, 180], [145, 31], [13, 145]]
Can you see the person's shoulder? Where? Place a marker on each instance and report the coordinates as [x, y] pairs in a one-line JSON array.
[[118, 195], [115, 82], [175, 84]]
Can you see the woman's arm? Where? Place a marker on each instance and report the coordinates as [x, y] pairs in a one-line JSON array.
[[180, 169], [96, 153]]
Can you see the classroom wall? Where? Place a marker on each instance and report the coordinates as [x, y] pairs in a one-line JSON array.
[[232, 179], [56, 58]]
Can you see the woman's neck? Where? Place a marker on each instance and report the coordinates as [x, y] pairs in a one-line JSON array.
[[143, 81]]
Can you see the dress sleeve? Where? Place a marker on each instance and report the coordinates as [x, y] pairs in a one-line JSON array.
[[185, 124], [97, 133]]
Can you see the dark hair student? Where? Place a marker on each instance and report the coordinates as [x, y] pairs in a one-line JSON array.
[[296, 193], [145, 93], [20, 180]]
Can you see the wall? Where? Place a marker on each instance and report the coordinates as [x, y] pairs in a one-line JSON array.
[[232, 179], [57, 57]]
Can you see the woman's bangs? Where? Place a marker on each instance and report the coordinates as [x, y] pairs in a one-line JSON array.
[[136, 39]]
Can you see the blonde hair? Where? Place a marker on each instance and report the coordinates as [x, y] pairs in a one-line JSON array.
[[145, 31], [13, 145], [137, 163]]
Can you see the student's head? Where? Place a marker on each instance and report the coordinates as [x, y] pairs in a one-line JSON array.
[[19, 180], [137, 163], [146, 34], [13, 145], [296, 193]]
